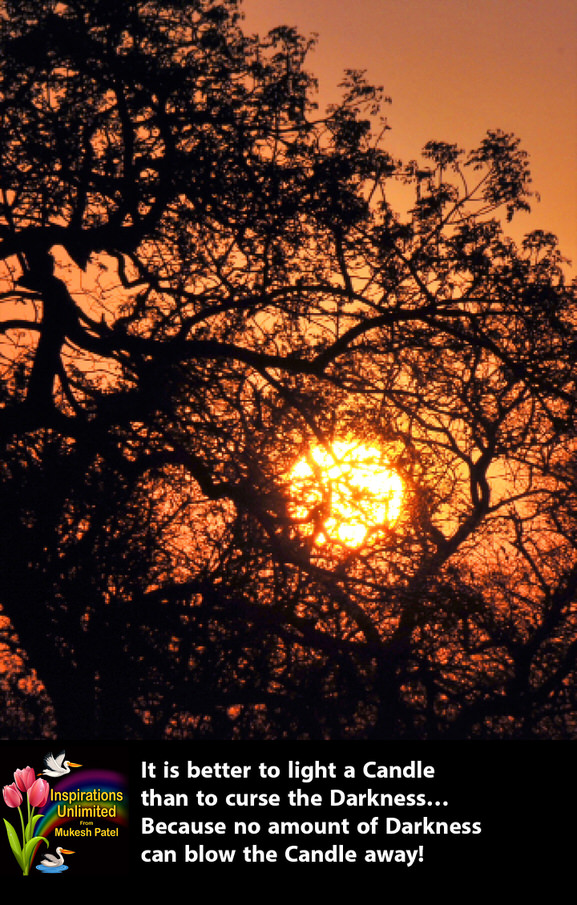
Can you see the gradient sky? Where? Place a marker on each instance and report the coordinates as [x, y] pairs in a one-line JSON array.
[[453, 70]]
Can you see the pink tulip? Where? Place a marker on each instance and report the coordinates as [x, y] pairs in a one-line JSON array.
[[12, 795], [38, 793], [24, 778]]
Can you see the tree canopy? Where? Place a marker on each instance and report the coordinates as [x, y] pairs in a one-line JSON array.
[[203, 279]]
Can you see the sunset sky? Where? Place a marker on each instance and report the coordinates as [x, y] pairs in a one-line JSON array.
[[454, 69], [272, 468]]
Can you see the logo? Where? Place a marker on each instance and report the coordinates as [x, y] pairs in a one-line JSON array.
[[71, 814]]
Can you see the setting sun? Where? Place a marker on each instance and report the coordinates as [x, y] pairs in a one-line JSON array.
[[345, 493]]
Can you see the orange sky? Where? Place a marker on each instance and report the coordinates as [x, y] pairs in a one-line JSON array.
[[455, 68]]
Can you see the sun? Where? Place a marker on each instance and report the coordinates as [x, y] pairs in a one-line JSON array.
[[345, 493]]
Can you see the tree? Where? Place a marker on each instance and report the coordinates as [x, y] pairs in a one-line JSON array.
[[203, 278]]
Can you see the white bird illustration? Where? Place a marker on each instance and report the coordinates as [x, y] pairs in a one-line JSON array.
[[53, 861], [57, 766]]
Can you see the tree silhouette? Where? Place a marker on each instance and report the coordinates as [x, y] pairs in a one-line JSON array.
[[202, 278]]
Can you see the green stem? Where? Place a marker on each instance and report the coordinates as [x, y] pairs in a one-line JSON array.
[[26, 867], [23, 830], [29, 833]]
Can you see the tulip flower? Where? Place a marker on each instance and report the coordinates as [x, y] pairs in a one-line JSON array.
[[24, 778], [12, 795], [38, 793]]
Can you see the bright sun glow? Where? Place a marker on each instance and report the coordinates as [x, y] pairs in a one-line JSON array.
[[345, 493]]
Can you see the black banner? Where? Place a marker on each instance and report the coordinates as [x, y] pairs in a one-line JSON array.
[[416, 811]]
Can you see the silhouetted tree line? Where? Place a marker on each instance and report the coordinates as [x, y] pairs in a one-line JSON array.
[[201, 276]]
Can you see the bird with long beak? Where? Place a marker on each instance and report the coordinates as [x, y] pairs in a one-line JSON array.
[[53, 861], [57, 766]]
